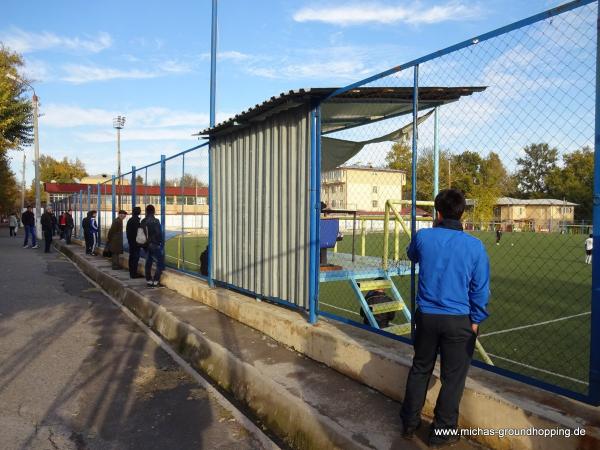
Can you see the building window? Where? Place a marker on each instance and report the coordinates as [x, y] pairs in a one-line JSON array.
[[374, 189], [375, 203], [341, 188]]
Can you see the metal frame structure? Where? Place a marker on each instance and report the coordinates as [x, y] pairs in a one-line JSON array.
[[316, 131]]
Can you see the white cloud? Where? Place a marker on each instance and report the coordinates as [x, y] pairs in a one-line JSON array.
[[336, 69], [82, 73], [23, 41], [142, 124], [79, 74], [361, 13]]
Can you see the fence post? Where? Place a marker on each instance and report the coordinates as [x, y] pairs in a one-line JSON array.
[[183, 201], [436, 155], [133, 187], [163, 202], [315, 212], [99, 209], [211, 282], [80, 214], [413, 195], [89, 198], [594, 377], [113, 198]]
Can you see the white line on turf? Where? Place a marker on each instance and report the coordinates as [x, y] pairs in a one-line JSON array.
[[523, 327], [539, 370], [244, 421]]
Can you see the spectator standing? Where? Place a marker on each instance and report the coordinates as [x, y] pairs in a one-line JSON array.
[[28, 219], [86, 224], [48, 226], [452, 297], [94, 229], [69, 225], [13, 223], [62, 224], [133, 224], [115, 239], [154, 249]]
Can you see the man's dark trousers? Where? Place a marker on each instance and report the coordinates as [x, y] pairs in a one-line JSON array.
[[453, 337], [68, 234], [47, 240], [134, 258]]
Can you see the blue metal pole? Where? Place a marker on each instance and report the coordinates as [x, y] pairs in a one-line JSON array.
[[436, 152], [315, 213], [99, 215], [80, 214], [211, 246], [183, 202], [594, 391], [213, 89], [133, 187], [113, 198], [413, 195], [89, 198], [163, 203], [213, 63]]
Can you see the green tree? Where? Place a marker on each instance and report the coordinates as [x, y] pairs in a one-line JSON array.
[[9, 191], [574, 181], [16, 112], [534, 167], [16, 120]]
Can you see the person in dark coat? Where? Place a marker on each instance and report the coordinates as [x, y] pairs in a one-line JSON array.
[[133, 224], [69, 225], [204, 262], [28, 220], [154, 250], [89, 233], [48, 226], [115, 239]]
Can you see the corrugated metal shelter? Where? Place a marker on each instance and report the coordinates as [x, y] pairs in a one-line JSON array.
[[265, 183]]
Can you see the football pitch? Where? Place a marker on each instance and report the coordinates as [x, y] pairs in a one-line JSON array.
[[539, 322]]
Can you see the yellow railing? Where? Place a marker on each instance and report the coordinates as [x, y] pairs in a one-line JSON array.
[[399, 222]]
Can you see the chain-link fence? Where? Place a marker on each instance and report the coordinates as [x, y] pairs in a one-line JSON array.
[[176, 186], [509, 119]]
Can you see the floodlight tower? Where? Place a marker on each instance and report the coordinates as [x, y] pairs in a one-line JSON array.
[[119, 123]]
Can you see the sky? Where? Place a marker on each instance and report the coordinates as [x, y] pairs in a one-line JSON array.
[[149, 61]]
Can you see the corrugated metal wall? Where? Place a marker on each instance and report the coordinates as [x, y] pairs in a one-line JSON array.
[[261, 195]]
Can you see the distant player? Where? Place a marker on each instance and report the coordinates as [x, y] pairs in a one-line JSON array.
[[589, 246], [498, 235]]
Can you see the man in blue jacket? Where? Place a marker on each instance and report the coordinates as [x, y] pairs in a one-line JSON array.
[[452, 298]]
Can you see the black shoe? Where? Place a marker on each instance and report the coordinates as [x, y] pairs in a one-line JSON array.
[[116, 268], [133, 277], [443, 440], [408, 432]]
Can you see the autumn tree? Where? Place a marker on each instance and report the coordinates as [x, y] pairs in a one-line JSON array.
[[61, 171], [16, 118]]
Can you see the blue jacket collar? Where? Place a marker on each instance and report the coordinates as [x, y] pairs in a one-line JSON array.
[[451, 224]]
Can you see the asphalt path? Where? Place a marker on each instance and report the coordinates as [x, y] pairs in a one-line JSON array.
[[76, 373]]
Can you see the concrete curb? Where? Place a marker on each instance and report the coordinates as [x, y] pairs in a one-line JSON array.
[[300, 425], [489, 401]]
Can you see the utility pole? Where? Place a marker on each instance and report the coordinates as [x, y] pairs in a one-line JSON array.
[[449, 175]]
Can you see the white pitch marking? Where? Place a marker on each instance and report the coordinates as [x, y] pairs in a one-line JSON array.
[[540, 370], [534, 324]]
